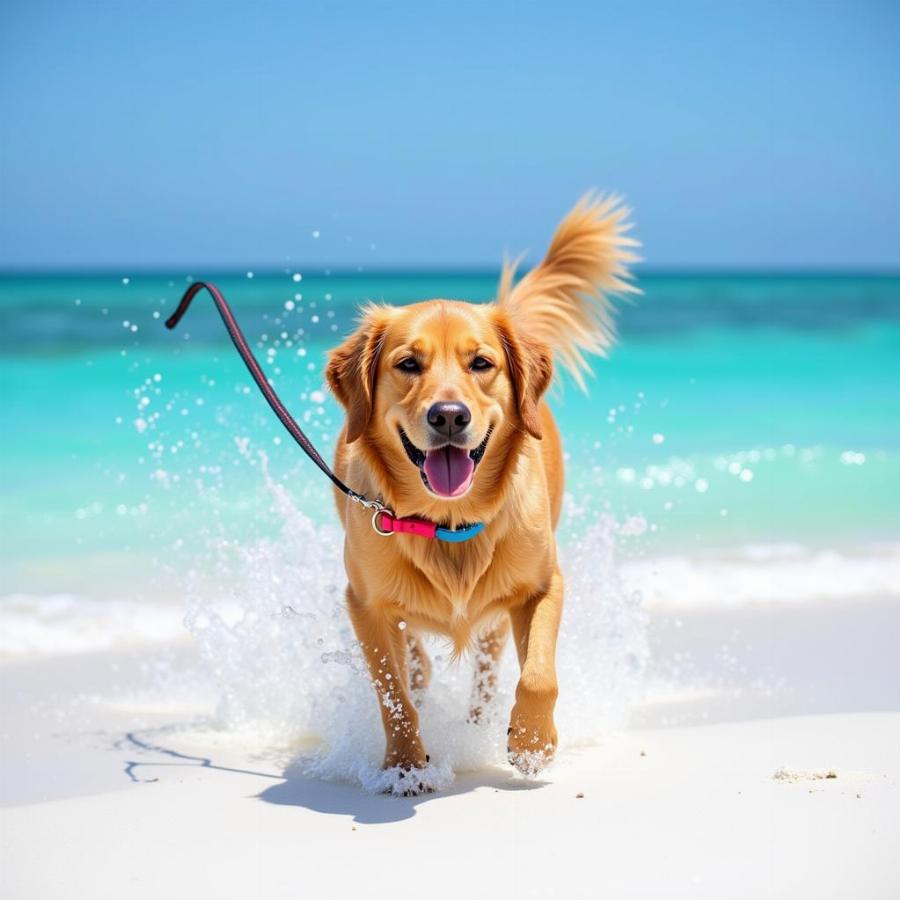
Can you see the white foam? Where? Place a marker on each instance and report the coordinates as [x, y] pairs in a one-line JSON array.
[[758, 574], [781, 573], [61, 624]]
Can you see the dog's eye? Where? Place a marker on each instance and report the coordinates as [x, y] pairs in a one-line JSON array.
[[480, 364], [409, 365]]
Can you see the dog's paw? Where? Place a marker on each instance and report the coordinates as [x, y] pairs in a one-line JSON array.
[[410, 755], [530, 743], [531, 763], [411, 781]]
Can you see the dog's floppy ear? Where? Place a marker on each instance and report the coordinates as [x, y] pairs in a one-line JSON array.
[[352, 369], [530, 365]]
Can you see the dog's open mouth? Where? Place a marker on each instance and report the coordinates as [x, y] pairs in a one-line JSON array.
[[446, 471]]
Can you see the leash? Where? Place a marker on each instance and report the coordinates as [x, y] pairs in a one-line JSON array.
[[384, 521]]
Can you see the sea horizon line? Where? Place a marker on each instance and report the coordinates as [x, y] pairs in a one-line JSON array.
[[320, 270]]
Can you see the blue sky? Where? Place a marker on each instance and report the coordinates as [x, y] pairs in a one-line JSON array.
[[750, 135]]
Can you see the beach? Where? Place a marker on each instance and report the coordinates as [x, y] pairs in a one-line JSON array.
[[186, 710], [783, 782], [183, 705]]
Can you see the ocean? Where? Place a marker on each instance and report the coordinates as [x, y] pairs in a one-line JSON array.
[[742, 419]]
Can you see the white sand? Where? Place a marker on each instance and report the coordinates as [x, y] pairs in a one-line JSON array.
[[685, 803]]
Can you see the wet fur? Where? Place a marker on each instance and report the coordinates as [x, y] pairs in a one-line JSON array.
[[472, 592]]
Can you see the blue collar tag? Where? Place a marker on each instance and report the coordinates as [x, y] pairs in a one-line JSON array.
[[460, 534]]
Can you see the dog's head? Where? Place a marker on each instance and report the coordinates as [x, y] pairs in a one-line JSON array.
[[436, 388], [440, 389]]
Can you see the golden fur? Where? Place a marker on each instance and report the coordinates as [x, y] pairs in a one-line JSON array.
[[508, 575]]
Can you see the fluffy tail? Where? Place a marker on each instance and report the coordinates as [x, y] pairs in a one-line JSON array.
[[564, 302]]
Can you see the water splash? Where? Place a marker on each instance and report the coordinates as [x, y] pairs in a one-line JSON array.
[[290, 676]]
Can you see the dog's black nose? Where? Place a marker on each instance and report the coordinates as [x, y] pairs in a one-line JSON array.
[[449, 418]]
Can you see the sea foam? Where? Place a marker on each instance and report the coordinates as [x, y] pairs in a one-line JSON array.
[[766, 574], [60, 624]]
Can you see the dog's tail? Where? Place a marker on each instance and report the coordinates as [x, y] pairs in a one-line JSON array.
[[564, 302]]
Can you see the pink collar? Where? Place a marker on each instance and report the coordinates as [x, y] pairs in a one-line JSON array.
[[386, 523]]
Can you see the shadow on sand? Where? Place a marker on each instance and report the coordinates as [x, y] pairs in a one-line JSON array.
[[297, 789], [293, 788]]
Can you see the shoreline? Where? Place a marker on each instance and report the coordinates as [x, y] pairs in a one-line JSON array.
[[114, 616]]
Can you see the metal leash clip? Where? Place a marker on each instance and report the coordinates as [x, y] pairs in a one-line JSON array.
[[377, 508]]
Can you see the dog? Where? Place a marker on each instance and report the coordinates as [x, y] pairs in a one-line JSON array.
[[446, 420]]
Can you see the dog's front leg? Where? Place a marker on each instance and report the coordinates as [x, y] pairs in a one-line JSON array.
[[531, 740], [384, 646]]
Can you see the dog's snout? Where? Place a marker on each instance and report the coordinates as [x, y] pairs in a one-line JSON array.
[[449, 418]]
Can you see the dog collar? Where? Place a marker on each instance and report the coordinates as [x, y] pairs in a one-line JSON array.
[[386, 524]]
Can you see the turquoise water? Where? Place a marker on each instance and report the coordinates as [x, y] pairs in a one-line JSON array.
[[735, 410]]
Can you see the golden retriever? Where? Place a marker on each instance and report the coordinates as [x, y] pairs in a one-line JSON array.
[[446, 421]]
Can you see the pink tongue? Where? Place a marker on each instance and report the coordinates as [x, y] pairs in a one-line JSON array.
[[449, 470]]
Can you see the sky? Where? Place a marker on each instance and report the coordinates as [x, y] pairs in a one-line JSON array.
[[746, 135]]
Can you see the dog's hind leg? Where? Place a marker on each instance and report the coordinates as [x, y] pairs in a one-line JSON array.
[[419, 663], [488, 650]]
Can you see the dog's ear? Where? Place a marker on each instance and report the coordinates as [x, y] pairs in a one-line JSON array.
[[353, 368], [530, 366]]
